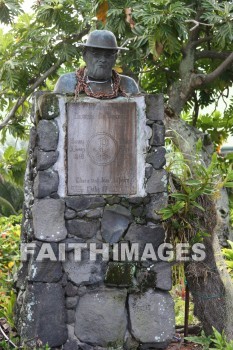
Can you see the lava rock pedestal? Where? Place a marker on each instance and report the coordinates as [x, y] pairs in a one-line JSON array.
[[95, 180]]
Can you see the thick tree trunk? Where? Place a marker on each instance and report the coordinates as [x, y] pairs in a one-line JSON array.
[[209, 281], [208, 290], [186, 137], [212, 289]]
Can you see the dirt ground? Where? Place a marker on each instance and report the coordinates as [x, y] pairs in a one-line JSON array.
[[182, 346]]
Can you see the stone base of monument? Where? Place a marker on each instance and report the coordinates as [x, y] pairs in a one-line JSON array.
[[94, 185]]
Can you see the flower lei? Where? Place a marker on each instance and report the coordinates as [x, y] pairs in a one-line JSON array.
[[82, 86]]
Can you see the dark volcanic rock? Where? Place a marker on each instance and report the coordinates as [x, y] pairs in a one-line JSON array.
[[46, 159], [145, 234], [46, 182], [42, 269], [94, 213], [48, 105], [22, 274], [47, 132], [71, 290], [71, 345], [82, 203], [48, 220], [71, 302], [158, 202], [70, 214], [113, 200], [157, 182], [158, 275], [163, 275], [148, 171], [43, 315], [157, 158], [152, 317], [115, 222], [154, 107], [101, 318], [83, 229], [86, 271], [158, 134], [70, 316]]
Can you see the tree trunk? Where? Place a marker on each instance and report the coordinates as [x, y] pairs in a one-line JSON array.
[[212, 289], [209, 281]]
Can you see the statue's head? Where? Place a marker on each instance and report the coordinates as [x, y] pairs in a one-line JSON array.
[[100, 53]]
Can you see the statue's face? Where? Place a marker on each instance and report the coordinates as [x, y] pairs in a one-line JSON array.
[[99, 62]]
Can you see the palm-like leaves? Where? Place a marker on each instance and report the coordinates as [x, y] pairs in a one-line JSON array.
[[9, 9], [11, 198]]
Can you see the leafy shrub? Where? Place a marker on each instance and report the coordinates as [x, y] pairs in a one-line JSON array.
[[214, 341], [180, 311], [11, 198], [13, 165], [193, 187], [12, 169], [9, 262], [228, 254]]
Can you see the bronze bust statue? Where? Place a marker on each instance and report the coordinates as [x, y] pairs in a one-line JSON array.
[[98, 79]]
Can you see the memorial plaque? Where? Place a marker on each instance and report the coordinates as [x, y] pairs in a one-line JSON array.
[[101, 148]]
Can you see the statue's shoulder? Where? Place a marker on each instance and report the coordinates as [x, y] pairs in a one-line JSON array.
[[129, 85], [66, 83]]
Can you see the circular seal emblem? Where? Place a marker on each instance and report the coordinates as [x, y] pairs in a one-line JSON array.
[[102, 148]]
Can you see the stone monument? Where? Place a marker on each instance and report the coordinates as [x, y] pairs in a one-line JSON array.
[[91, 276]]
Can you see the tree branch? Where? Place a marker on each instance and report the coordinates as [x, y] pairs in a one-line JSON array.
[[212, 54], [199, 80], [39, 81], [195, 31], [202, 40], [22, 99], [196, 24], [75, 37]]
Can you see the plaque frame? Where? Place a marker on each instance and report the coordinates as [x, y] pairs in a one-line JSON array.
[[101, 152]]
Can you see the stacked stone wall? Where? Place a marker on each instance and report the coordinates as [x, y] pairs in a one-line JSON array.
[[102, 304]]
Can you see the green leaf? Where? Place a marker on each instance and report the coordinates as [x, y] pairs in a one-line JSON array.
[[7, 206], [229, 264], [9, 9], [230, 176], [195, 204], [193, 182], [167, 215], [230, 243], [178, 206], [202, 340], [180, 196]]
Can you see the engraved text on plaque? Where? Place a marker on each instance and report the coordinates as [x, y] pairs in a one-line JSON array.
[[101, 148]]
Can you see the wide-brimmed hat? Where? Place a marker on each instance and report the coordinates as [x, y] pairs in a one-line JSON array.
[[102, 39]]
